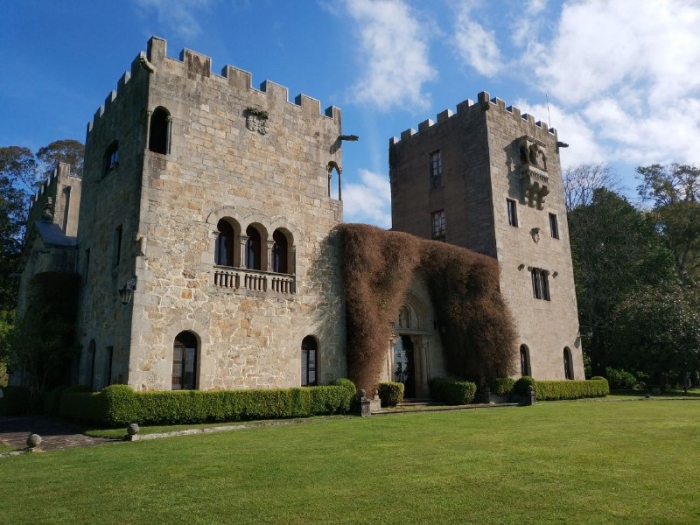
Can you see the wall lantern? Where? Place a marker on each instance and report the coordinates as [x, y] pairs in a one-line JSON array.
[[126, 292]]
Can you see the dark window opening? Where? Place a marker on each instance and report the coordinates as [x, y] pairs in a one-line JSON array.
[[224, 244], [436, 169], [92, 350], [252, 252], [568, 364], [185, 362], [438, 228], [553, 226], [158, 141], [117, 248], [540, 284], [111, 159], [279, 252], [512, 212], [309, 349], [524, 361], [108, 365]]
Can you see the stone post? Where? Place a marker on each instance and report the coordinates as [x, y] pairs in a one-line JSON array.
[[531, 398], [364, 404]]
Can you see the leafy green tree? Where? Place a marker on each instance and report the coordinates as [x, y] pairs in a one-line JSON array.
[[658, 331], [615, 251], [70, 151], [675, 194]]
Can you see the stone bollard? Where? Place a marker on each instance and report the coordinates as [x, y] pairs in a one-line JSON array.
[[531, 396], [486, 396], [132, 432], [365, 410], [33, 442]]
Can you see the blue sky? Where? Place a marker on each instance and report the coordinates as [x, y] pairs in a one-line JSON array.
[[621, 76]]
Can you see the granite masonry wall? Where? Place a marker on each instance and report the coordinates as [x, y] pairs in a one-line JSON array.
[[247, 156], [491, 153]]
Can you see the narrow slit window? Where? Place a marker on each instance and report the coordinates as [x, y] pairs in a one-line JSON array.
[[553, 226], [512, 212]]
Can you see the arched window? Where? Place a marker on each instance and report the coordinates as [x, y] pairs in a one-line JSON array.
[[280, 253], [252, 249], [405, 317], [223, 255], [159, 136], [92, 350], [568, 364], [111, 158], [185, 362], [309, 348], [525, 361]]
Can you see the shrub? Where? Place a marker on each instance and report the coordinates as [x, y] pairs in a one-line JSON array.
[[120, 405], [620, 379], [521, 386], [451, 391], [501, 386], [391, 393], [15, 401], [555, 390]]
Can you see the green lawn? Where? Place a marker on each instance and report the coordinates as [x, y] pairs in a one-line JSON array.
[[557, 462]]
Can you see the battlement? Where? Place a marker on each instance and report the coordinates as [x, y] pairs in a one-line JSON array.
[[484, 103], [63, 170], [197, 68]]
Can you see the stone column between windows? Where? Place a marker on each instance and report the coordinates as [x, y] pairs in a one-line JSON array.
[[270, 245], [169, 134], [243, 239]]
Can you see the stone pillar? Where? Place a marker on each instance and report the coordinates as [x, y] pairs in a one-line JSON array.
[[243, 241], [169, 134], [365, 410], [270, 245]]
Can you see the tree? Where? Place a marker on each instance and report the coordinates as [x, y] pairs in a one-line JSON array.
[[658, 331], [70, 151], [615, 250], [581, 182], [675, 193]]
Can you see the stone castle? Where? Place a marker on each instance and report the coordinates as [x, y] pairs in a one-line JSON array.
[[203, 232]]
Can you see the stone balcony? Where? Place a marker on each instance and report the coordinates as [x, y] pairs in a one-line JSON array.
[[226, 277]]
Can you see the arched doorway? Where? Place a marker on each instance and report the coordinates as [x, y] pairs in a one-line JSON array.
[[405, 364]]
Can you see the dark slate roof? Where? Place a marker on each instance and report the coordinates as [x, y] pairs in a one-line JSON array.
[[52, 234]]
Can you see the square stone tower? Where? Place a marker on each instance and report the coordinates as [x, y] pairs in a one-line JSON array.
[[206, 249], [489, 179]]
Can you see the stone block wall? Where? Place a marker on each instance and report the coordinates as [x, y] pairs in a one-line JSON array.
[[482, 167], [254, 158]]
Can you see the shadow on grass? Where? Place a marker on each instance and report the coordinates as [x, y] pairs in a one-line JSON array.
[[693, 393]]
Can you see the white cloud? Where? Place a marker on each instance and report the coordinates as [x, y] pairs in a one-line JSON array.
[[475, 45], [572, 129], [394, 50], [601, 45], [368, 201], [178, 16]]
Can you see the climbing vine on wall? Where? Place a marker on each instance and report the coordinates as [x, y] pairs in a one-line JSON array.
[[476, 328]]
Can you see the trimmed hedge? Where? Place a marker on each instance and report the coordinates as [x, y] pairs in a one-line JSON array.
[[555, 390], [501, 386], [119, 405], [15, 401], [391, 393], [451, 391]]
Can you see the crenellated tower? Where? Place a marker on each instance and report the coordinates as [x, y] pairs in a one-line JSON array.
[[205, 236], [488, 178]]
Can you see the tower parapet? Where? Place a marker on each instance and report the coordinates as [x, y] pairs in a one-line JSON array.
[[484, 103]]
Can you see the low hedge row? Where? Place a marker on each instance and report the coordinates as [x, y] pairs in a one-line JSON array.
[[451, 391], [119, 405], [391, 393], [555, 390], [501, 386]]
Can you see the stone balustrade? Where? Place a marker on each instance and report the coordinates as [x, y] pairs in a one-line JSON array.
[[257, 280]]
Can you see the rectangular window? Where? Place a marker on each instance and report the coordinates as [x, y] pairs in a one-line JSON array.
[[438, 229], [436, 169], [553, 226], [540, 284], [512, 212], [308, 367], [117, 247]]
